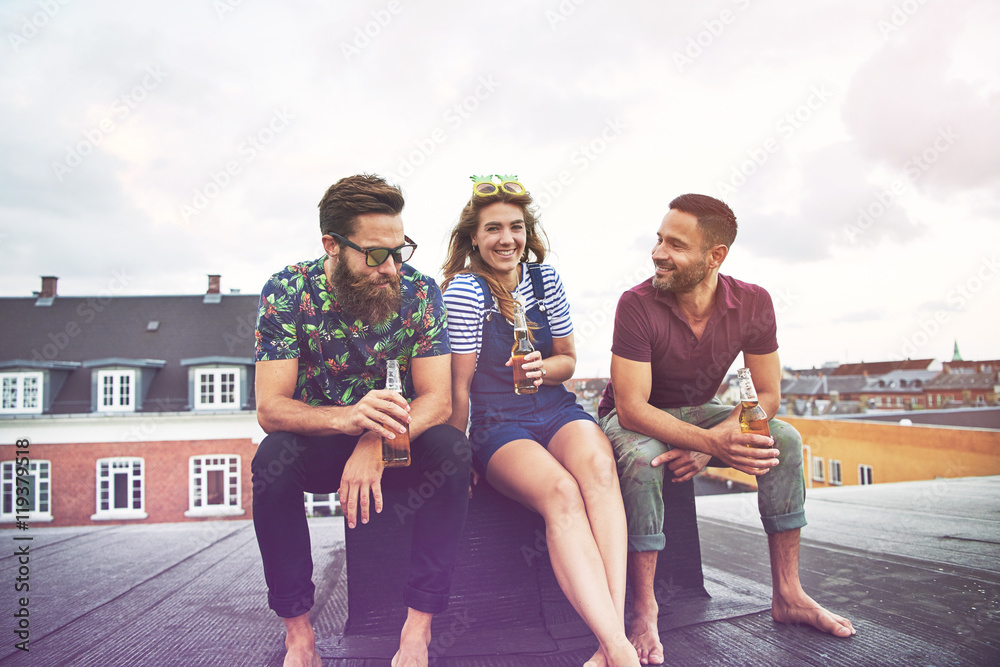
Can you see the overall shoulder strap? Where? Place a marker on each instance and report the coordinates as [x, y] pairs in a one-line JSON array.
[[537, 284], [487, 295]]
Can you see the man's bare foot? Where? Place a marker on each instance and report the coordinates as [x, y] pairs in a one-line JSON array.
[[302, 658], [645, 636], [806, 611], [300, 643], [414, 640]]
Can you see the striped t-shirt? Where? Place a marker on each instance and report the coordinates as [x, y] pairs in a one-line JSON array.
[[465, 303]]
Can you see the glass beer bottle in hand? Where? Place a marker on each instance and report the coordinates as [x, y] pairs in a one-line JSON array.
[[522, 346], [753, 419], [395, 452]]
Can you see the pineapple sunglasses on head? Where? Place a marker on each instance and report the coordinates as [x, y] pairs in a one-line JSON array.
[[377, 256], [483, 186]]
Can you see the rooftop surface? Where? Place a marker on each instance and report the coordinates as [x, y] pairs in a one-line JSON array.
[[915, 566]]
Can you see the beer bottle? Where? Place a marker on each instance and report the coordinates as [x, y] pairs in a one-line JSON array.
[[522, 346], [753, 419], [395, 452]]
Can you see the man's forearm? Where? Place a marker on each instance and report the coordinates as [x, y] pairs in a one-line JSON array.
[[656, 423], [427, 411], [287, 414]]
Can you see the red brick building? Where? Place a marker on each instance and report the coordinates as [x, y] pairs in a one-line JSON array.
[[133, 408]]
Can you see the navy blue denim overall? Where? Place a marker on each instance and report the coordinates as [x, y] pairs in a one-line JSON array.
[[498, 414]]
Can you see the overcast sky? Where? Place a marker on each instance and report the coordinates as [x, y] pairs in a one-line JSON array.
[[144, 146]]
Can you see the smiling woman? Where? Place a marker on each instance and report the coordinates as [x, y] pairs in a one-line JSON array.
[[539, 448]]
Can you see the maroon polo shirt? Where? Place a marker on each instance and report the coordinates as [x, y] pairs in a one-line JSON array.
[[650, 328]]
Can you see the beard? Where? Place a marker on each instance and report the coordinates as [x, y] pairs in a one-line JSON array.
[[681, 280], [369, 299]]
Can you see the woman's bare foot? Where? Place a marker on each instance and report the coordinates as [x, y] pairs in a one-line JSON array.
[[597, 660]]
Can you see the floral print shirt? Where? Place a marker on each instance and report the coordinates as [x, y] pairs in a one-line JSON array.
[[341, 360]]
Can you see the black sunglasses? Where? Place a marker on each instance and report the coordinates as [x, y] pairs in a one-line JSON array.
[[377, 256]]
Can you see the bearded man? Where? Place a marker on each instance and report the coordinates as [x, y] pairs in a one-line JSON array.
[[325, 329], [675, 337]]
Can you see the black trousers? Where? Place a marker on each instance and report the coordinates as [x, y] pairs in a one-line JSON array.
[[286, 464]]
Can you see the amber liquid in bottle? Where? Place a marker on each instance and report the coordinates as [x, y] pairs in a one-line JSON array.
[[522, 346], [395, 452], [753, 419]]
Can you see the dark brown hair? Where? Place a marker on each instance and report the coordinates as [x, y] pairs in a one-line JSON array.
[[352, 196], [716, 220]]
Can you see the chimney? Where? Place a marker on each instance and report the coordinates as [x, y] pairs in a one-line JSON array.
[[214, 284], [48, 287]]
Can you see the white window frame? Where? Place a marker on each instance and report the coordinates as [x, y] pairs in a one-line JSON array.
[[864, 474], [41, 470], [135, 470], [122, 387], [818, 466], [216, 397], [332, 503], [17, 382], [836, 477], [199, 468]]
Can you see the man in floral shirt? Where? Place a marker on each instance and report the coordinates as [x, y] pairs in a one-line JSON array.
[[325, 329]]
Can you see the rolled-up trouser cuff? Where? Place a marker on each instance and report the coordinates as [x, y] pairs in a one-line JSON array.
[[646, 542], [431, 603], [783, 522], [293, 607]]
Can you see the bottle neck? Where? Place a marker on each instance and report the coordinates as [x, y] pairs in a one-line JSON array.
[[392, 377], [747, 392]]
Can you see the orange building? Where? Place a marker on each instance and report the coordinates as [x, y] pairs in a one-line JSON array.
[[851, 452]]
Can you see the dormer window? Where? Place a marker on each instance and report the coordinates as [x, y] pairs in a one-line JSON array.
[[218, 383], [22, 393], [119, 384], [116, 391], [217, 389]]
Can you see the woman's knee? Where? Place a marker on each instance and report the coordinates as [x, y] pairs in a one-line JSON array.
[[564, 499]]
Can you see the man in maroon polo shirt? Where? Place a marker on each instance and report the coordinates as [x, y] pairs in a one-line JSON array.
[[675, 337]]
